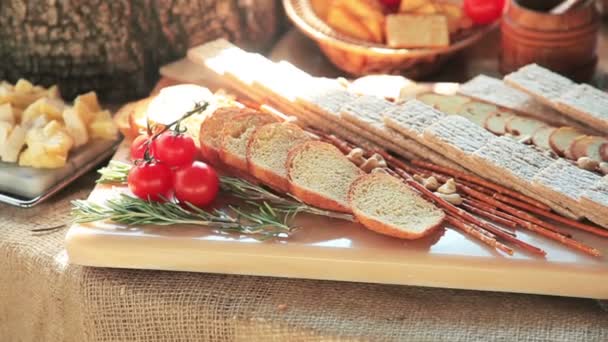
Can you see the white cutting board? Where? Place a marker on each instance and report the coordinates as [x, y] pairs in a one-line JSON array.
[[336, 250]]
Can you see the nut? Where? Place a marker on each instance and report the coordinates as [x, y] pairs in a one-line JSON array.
[[369, 165], [418, 178], [454, 198], [587, 163], [380, 159], [448, 188], [604, 168], [373, 162], [431, 183], [380, 170], [356, 156]]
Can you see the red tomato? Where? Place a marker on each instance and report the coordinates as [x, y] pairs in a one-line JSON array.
[[174, 149], [197, 184], [484, 11], [138, 147], [151, 181]]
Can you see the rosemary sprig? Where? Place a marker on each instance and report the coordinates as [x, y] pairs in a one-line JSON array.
[[116, 172], [125, 209]]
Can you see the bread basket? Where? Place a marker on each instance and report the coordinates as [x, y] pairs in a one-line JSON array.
[[359, 57]]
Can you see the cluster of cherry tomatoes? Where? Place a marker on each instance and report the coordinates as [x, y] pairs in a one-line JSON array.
[[165, 166], [480, 11]]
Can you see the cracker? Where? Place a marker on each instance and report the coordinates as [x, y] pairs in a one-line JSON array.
[[565, 184], [514, 165], [587, 104], [495, 91], [543, 84], [412, 117], [457, 136], [595, 199], [325, 97], [211, 50], [366, 113], [367, 108], [416, 31]]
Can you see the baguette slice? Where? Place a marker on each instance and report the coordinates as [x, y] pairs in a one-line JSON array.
[[497, 122], [386, 205], [320, 175], [235, 137], [267, 152], [541, 137], [588, 146], [562, 138], [210, 136]]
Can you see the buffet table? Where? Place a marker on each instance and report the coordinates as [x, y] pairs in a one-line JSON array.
[[44, 298]]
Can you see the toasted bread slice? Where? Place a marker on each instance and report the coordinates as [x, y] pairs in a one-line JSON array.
[[588, 146], [235, 137], [386, 205], [541, 137], [562, 138], [267, 152], [320, 175], [523, 127], [210, 136], [497, 122]]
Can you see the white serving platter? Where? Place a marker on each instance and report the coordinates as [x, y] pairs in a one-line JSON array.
[[27, 186], [337, 250]]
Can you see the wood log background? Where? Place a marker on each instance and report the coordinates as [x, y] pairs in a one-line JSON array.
[[116, 47]]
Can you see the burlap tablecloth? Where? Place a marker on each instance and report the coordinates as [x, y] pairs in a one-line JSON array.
[[44, 298]]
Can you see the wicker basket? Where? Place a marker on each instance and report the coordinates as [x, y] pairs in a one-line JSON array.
[[359, 57]]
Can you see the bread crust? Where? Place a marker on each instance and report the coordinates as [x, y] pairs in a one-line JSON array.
[[266, 175], [210, 152], [308, 196], [230, 158], [382, 227], [386, 229]]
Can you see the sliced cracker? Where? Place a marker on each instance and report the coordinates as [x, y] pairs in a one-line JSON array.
[[543, 84], [586, 104], [457, 137], [495, 91], [595, 199], [565, 184]]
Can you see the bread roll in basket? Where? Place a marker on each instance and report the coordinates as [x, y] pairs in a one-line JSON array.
[[358, 57]]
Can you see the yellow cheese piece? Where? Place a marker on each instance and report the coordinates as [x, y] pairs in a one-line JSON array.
[[103, 126], [47, 147]]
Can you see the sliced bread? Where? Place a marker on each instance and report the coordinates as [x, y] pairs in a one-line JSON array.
[[235, 137], [210, 136], [267, 152], [320, 175], [386, 205]]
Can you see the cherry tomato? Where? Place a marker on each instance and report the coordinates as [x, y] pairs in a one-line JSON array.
[[484, 11], [138, 147], [197, 184], [174, 149], [151, 181]]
